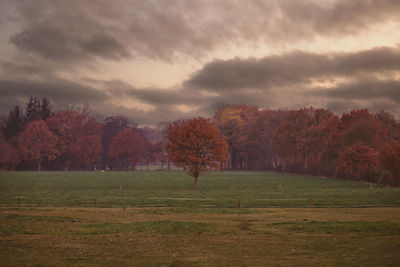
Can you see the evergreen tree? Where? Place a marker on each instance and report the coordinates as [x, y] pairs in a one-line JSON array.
[[15, 123], [32, 110], [46, 110]]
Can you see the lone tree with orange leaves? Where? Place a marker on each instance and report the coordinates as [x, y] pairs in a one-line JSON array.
[[196, 145]]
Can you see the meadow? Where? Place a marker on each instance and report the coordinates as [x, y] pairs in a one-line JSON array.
[[154, 218]]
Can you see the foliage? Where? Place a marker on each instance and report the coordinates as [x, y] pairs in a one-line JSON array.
[[152, 152], [196, 145], [390, 124], [232, 121], [127, 147], [76, 133], [111, 126], [360, 162], [9, 156], [307, 140], [15, 123], [37, 143], [37, 110], [87, 149], [361, 126], [390, 158]]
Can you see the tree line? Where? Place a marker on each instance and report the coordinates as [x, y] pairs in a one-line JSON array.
[[358, 145], [38, 136]]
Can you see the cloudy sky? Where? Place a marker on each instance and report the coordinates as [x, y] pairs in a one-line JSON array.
[[157, 60]]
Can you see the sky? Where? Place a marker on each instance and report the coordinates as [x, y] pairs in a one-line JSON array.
[[157, 61]]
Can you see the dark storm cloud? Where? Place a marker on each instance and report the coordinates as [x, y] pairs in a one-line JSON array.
[[21, 70], [345, 106], [69, 30], [280, 81], [156, 96], [51, 36], [55, 44], [63, 93], [367, 92], [337, 18], [166, 97], [80, 30], [59, 91], [366, 89], [292, 68]]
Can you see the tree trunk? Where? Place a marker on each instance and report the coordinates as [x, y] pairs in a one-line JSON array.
[[305, 163], [336, 169], [196, 179]]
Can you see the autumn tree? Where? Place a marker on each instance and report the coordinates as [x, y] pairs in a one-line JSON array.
[[361, 126], [259, 132], [37, 143], [390, 124], [359, 162], [87, 149], [14, 124], [9, 156], [196, 145], [37, 110], [232, 121], [79, 137], [152, 152], [127, 147], [326, 144], [111, 126], [390, 158], [292, 139], [317, 142]]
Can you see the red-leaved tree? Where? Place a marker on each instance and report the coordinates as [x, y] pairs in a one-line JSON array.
[[196, 145], [9, 156], [127, 147], [37, 142], [87, 149], [390, 158], [359, 162], [361, 126], [79, 137]]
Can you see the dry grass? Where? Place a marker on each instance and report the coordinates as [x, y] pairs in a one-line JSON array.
[[199, 237]]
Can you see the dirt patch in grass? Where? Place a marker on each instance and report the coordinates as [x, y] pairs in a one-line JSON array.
[[159, 227], [363, 227]]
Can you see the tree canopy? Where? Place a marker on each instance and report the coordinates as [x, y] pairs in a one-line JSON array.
[[196, 145]]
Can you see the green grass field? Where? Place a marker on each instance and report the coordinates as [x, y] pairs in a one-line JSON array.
[[50, 218], [174, 189]]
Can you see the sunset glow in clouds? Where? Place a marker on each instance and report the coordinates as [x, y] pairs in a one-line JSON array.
[[155, 61]]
